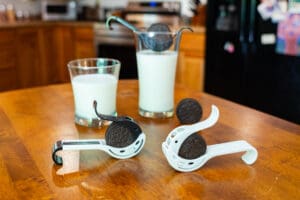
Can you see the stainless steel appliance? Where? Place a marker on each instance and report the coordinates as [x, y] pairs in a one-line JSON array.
[[59, 10], [119, 42], [148, 12]]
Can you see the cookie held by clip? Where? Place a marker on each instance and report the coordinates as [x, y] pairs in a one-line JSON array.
[[162, 40], [122, 133], [193, 147]]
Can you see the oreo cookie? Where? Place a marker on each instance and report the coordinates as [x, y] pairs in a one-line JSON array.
[[122, 133], [193, 147], [160, 41], [189, 111]]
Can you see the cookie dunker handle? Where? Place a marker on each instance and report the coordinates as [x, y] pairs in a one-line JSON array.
[[74, 145], [110, 117], [234, 147], [209, 122], [121, 21], [188, 165], [98, 144]]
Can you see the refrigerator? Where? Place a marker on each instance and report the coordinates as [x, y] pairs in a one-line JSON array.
[[242, 64]]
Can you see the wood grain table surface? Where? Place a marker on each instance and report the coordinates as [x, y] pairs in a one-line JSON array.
[[32, 120]]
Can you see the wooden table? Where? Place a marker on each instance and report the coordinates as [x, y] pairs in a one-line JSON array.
[[31, 120]]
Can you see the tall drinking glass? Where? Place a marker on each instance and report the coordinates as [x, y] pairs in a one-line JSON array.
[[94, 79], [156, 54]]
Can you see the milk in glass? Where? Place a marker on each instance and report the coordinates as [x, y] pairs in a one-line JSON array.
[[156, 72], [90, 87]]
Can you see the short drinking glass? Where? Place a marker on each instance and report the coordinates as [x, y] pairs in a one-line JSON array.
[[94, 79]]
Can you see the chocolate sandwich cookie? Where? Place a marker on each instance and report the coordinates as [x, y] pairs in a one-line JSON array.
[[189, 111], [193, 147], [122, 133], [160, 41]]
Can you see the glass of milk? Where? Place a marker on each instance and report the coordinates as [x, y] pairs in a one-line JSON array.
[[94, 79], [156, 72]]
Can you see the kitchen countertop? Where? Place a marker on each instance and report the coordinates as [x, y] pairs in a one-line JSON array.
[[32, 120], [39, 23]]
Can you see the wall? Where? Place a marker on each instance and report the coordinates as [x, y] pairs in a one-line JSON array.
[[27, 7], [105, 3], [32, 7]]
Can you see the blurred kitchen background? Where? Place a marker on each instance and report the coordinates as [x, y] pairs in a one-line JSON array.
[[92, 9], [246, 51]]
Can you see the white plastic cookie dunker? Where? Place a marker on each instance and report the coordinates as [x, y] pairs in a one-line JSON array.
[[129, 145], [176, 137], [98, 144]]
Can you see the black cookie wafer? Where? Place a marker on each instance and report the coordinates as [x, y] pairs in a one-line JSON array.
[[159, 42], [122, 134], [193, 147], [188, 111]]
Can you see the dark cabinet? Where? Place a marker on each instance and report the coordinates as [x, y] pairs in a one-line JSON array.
[[28, 57], [8, 76], [38, 55]]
